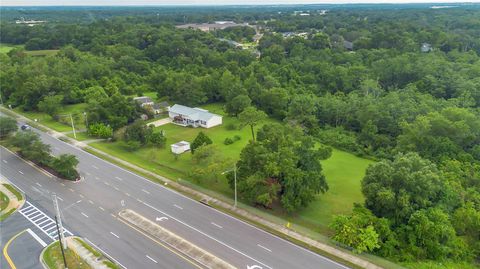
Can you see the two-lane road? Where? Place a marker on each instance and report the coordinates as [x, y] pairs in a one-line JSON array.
[[107, 189]]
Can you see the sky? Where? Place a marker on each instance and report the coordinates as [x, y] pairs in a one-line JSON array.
[[200, 2]]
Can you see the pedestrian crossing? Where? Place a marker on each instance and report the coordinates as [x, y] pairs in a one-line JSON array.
[[42, 221]]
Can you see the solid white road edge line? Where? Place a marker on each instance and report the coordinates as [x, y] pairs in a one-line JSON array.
[[106, 254]]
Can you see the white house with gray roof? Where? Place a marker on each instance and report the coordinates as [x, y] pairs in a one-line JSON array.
[[196, 117]]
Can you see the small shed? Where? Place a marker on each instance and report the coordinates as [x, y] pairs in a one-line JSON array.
[[180, 147]]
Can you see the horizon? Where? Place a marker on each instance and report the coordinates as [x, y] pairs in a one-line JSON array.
[[159, 3]]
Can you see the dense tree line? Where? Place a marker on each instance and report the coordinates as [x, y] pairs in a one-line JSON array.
[[417, 113]]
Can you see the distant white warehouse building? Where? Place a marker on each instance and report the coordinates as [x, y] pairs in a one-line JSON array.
[[196, 117], [180, 147]]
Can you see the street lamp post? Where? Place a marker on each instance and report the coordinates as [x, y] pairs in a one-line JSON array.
[[234, 182], [86, 119]]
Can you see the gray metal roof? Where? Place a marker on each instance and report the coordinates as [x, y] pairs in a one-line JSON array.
[[192, 113], [143, 99], [181, 144]]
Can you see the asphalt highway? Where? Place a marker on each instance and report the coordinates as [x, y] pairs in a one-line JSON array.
[[90, 209]]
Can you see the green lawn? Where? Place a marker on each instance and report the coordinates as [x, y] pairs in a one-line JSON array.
[[41, 53], [53, 258], [162, 161], [441, 265], [81, 136], [65, 126], [3, 201], [343, 170], [14, 191], [5, 48]]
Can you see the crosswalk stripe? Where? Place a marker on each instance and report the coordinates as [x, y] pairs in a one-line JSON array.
[[42, 221]]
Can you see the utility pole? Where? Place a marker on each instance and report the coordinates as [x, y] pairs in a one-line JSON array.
[[57, 216], [73, 127], [61, 245]]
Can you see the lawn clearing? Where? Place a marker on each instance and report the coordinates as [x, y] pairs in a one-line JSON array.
[[65, 126], [5, 48], [41, 53], [343, 170]]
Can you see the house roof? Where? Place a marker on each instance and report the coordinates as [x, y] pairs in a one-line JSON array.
[[181, 144], [143, 99], [192, 113], [163, 104]]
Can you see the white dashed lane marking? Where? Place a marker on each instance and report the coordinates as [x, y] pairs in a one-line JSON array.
[[115, 235], [85, 215], [147, 192], [216, 225], [150, 258], [179, 207], [20, 172], [264, 248]]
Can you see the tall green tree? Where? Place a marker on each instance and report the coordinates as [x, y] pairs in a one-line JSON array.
[[51, 104], [396, 189], [251, 117], [7, 126]]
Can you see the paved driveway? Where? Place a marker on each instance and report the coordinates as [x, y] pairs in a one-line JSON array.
[[161, 122]]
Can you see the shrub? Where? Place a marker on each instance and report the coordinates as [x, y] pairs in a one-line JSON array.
[[100, 130], [132, 145], [228, 141], [236, 137]]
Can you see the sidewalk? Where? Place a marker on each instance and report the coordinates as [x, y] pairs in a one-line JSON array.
[[221, 204], [96, 262], [14, 203]]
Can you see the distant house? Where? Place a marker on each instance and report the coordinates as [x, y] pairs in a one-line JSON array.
[[195, 117], [348, 45], [160, 107], [426, 47], [144, 101], [180, 147]]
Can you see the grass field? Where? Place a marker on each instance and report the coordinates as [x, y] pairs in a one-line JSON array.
[[45, 119], [343, 170], [41, 53], [3, 201], [53, 258], [5, 48]]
